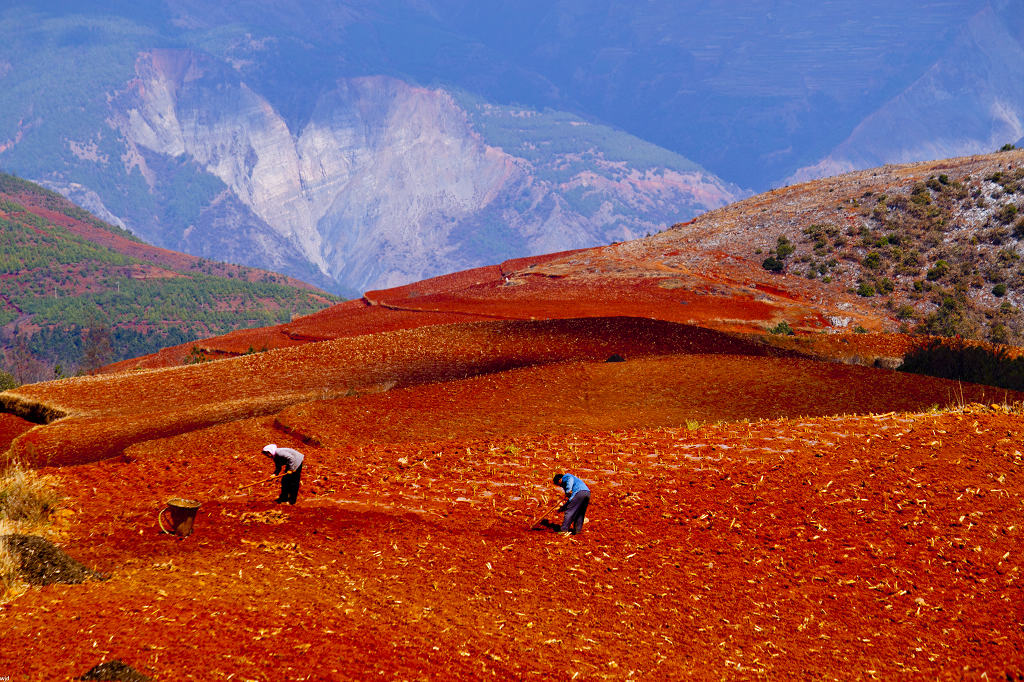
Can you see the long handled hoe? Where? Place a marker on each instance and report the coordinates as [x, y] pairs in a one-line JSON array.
[[264, 480], [541, 517]]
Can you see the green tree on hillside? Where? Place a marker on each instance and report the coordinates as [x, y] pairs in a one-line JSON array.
[[7, 380], [97, 349]]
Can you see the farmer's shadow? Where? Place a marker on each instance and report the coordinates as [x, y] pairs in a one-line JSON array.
[[546, 525]]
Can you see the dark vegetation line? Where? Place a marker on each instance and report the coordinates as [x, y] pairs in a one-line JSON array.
[[964, 360]]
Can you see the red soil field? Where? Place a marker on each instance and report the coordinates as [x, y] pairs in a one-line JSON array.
[[104, 414], [746, 522], [590, 283], [759, 512], [656, 391], [831, 547], [10, 428]]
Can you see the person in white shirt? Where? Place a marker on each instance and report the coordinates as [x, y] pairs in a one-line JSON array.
[[290, 460]]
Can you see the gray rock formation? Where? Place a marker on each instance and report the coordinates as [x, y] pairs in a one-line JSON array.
[[387, 182]]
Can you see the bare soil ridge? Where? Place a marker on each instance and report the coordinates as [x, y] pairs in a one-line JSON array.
[[709, 271]]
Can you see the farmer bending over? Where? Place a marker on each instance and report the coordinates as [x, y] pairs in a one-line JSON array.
[[577, 500], [291, 461]]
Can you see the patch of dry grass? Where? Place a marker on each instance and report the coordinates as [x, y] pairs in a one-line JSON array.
[[10, 586], [26, 497], [26, 501]]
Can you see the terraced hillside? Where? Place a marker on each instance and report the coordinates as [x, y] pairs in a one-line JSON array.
[[930, 248]]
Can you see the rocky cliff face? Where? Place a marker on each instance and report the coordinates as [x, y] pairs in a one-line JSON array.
[[387, 182]]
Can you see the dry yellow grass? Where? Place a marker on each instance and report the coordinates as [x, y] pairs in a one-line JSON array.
[[6, 528], [26, 498], [26, 501], [10, 586]]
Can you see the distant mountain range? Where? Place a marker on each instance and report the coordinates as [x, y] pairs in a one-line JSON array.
[[358, 145]]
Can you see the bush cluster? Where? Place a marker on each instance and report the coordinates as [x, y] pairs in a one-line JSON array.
[[910, 247], [960, 359], [776, 261]]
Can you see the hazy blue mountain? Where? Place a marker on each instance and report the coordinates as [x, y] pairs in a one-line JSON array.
[[363, 143], [970, 100], [750, 90], [294, 138]]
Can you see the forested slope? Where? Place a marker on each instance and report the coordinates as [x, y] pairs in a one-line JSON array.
[[76, 292]]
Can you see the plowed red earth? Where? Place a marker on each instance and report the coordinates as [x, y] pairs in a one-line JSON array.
[[558, 286], [757, 513], [842, 547], [741, 526], [10, 428]]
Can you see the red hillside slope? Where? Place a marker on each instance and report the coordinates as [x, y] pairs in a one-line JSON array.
[[757, 512], [709, 272]]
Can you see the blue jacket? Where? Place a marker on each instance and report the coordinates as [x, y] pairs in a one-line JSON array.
[[573, 485]]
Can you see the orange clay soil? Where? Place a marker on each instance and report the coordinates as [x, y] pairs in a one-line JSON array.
[[818, 548], [10, 428], [809, 545], [545, 289], [97, 417]]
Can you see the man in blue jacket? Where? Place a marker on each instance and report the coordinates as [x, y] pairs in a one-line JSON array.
[[291, 461], [577, 499]]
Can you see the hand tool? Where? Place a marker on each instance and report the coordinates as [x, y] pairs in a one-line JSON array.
[[541, 518], [271, 478]]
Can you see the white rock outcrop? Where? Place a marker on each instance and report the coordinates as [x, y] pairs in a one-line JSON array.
[[386, 182]]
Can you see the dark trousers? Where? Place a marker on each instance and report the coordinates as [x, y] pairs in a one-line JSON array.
[[575, 510], [290, 486]]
